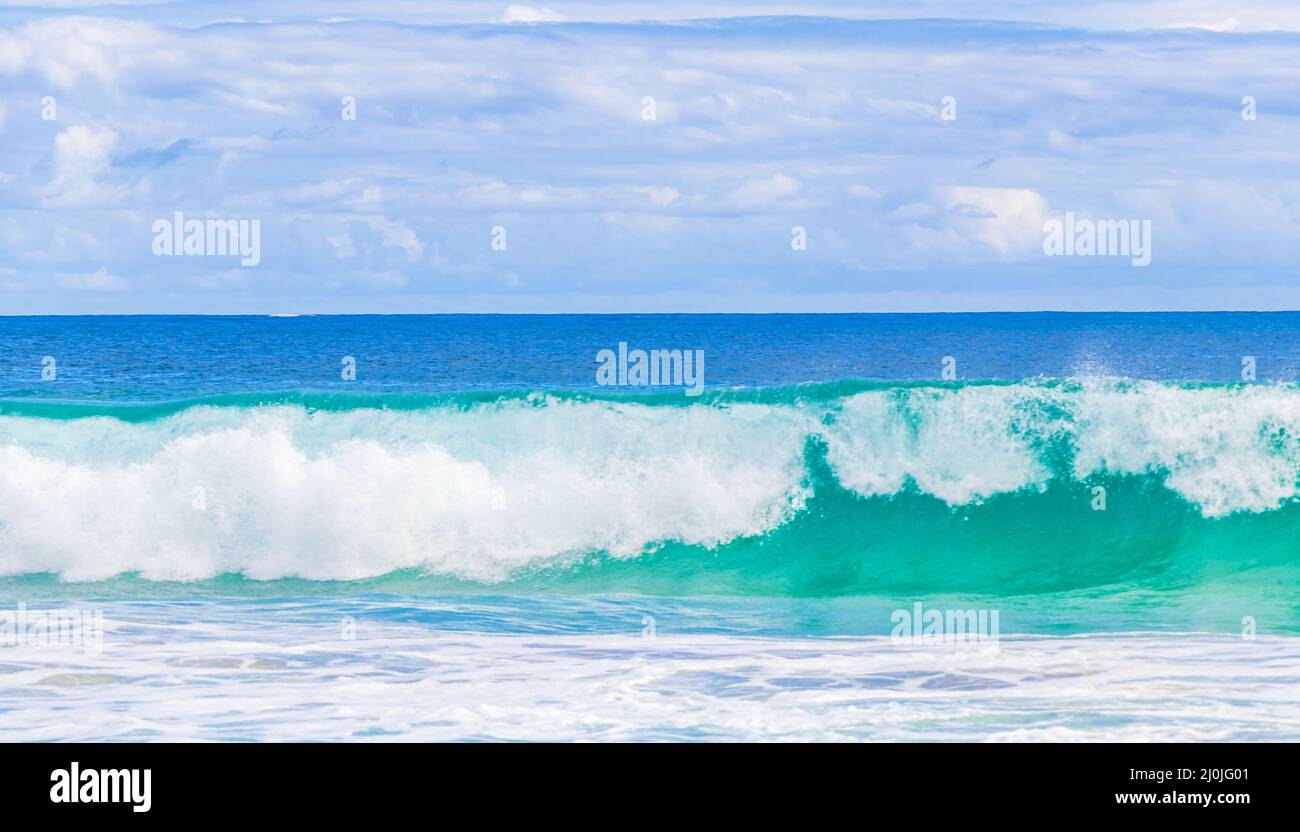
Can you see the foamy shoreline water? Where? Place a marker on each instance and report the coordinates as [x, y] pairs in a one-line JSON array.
[[207, 670]]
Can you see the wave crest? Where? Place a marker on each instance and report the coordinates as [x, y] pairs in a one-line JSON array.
[[482, 489]]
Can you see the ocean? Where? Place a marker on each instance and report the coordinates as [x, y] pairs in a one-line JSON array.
[[445, 527]]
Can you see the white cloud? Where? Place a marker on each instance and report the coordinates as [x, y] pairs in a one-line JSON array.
[[758, 194], [502, 195], [342, 244], [1009, 220], [397, 234], [760, 126], [354, 193], [518, 13], [80, 155], [67, 51], [660, 196]]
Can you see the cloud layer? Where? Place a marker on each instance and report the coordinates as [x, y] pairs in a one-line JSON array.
[[540, 158]]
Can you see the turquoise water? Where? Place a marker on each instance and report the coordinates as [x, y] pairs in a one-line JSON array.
[[980, 493], [472, 539]]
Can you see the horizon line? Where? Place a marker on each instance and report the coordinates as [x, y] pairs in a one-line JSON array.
[[643, 314]]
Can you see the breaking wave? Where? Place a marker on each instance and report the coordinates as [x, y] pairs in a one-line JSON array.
[[843, 488]]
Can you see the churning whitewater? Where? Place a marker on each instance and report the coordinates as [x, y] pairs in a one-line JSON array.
[[485, 488]]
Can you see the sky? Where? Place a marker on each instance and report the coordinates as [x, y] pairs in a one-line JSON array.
[[647, 157]]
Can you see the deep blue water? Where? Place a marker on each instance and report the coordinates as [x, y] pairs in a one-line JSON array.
[[171, 357]]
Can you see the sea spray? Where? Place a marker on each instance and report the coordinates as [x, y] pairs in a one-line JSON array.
[[839, 489]]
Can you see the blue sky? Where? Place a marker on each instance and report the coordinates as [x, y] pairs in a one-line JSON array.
[[471, 116]]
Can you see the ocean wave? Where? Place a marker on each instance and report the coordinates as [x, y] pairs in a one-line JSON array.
[[486, 487]]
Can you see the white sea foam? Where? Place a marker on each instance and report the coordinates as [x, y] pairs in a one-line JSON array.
[[957, 444], [1223, 449], [214, 671], [480, 492], [472, 493]]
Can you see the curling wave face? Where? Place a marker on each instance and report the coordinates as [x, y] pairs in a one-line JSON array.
[[842, 488]]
